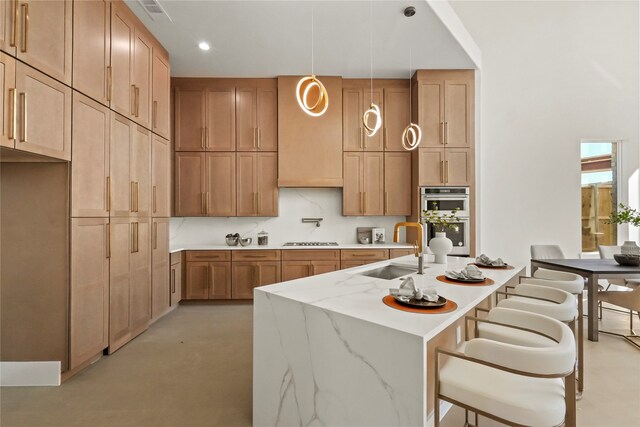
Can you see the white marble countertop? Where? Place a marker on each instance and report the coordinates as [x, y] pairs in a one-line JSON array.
[[349, 293], [179, 248]]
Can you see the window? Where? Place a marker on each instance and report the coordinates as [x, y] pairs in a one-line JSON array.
[[598, 161]]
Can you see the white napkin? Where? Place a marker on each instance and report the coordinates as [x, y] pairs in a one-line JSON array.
[[483, 259], [408, 290], [469, 272]]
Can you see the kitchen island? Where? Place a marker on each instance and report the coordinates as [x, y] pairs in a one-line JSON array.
[[328, 352]]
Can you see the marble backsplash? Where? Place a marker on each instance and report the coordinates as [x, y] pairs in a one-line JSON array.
[[295, 204]]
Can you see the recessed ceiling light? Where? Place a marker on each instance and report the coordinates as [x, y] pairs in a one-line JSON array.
[[204, 46]]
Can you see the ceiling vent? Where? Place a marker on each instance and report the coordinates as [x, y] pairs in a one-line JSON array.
[[155, 10]]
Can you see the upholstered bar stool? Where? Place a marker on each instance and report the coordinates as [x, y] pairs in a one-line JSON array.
[[515, 384]]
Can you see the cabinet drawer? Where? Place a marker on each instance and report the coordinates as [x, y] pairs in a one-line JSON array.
[[396, 253], [365, 254], [209, 256], [256, 255], [176, 257], [310, 255]]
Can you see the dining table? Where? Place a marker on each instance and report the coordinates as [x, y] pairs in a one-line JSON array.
[[592, 270]]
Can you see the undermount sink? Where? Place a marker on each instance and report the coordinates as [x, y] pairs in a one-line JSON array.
[[389, 272]]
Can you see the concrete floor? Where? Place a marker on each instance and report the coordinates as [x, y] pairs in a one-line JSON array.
[[193, 368]]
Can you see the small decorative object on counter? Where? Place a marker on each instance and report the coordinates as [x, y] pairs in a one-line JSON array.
[[232, 239], [441, 245], [378, 235], [263, 238], [246, 241]]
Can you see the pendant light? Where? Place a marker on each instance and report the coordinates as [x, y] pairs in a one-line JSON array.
[[412, 134], [312, 96], [373, 108]]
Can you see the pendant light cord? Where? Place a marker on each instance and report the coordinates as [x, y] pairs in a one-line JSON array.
[[410, 103], [371, 47], [312, 37]]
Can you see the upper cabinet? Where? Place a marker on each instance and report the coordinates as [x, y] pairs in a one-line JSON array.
[[161, 82], [257, 118], [257, 191], [92, 49], [363, 184], [189, 119], [8, 26], [160, 167], [8, 98], [395, 117], [355, 101], [43, 39], [220, 114]]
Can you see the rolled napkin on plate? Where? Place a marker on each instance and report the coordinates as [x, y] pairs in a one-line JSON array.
[[470, 272], [485, 260], [408, 290]]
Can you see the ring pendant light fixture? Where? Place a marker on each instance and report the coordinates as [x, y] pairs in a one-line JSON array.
[[373, 108], [311, 94], [412, 134]]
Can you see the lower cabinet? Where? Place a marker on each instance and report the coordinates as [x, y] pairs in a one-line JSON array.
[[247, 275], [160, 287], [175, 279], [356, 257], [297, 264], [208, 280], [397, 253]]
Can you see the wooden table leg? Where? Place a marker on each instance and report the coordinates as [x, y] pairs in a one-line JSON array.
[[592, 307]]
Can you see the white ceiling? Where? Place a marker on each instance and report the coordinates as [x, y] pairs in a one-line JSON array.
[[271, 38]]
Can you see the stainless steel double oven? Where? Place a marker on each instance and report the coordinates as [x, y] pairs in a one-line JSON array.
[[444, 200]]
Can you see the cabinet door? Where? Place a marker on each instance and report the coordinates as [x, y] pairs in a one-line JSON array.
[[431, 114], [92, 48], [219, 280], [45, 114], [175, 284], [267, 184], [352, 130], [190, 184], [120, 166], [220, 120], [197, 283], [246, 119], [396, 117], [375, 142], [141, 276], [373, 183], [142, 59], [320, 267], [292, 270], [397, 183], [268, 119], [45, 37], [122, 35], [247, 184], [189, 119], [349, 264], [431, 166], [90, 184], [268, 273], [397, 253], [89, 299], [352, 191], [243, 279], [161, 81], [458, 113], [220, 184], [458, 166], [119, 279], [9, 26], [160, 172], [8, 105], [160, 286], [141, 171]]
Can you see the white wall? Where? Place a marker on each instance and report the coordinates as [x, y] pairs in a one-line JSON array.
[[294, 205], [552, 73]]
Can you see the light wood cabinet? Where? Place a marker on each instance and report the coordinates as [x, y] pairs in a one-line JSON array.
[[397, 253], [140, 284], [89, 295], [175, 283], [44, 39], [363, 183], [431, 166], [256, 119], [247, 275], [141, 171], [9, 26], [431, 112], [142, 63], [160, 280], [122, 36], [355, 101], [44, 113], [257, 191], [445, 166], [220, 184], [208, 280], [373, 255], [92, 48], [189, 119], [397, 183], [220, 130], [9, 96], [458, 113], [395, 116], [90, 181], [292, 270], [160, 173], [161, 82], [189, 184]]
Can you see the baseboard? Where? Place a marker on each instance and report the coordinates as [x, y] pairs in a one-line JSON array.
[[15, 374]]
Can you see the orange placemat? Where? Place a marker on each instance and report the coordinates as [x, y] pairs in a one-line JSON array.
[[391, 302], [508, 267], [442, 278]]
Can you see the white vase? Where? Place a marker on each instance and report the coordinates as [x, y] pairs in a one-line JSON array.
[[441, 246], [630, 248]]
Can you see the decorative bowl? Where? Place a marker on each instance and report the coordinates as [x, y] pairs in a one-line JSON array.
[[246, 242], [627, 259], [232, 240]]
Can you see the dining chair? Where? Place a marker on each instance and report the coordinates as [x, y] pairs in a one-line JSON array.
[[607, 252], [515, 384], [625, 299], [546, 252]]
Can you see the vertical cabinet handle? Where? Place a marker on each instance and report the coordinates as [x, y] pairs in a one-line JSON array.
[[206, 137], [173, 280], [154, 115], [137, 237], [108, 194], [138, 197], [206, 204], [446, 171], [386, 202], [108, 233], [364, 202], [442, 133], [14, 32], [202, 131], [446, 133], [131, 195], [255, 137], [202, 203], [23, 104], [259, 198], [25, 27], [137, 101], [12, 113], [154, 200], [155, 235], [442, 171], [133, 237], [259, 137], [133, 100], [109, 82]]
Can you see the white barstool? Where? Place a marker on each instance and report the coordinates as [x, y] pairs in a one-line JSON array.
[[515, 384]]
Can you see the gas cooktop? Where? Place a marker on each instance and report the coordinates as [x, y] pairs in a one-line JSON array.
[[311, 244]]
